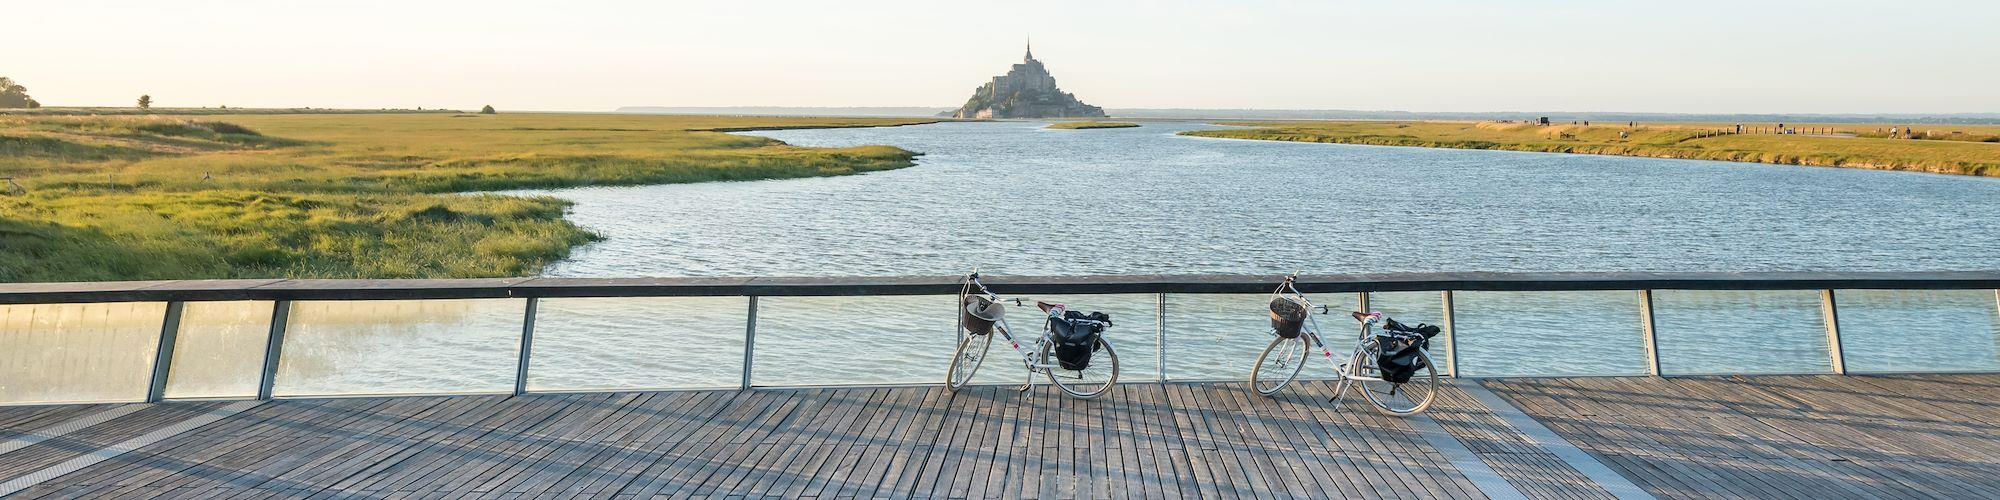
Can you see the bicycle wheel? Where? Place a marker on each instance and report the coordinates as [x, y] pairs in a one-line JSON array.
[[1090, 382], [1400, 400], [1279, 364], [965, 361]]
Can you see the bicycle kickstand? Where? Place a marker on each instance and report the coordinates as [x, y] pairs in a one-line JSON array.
[[1339, 393], [1030, 384]]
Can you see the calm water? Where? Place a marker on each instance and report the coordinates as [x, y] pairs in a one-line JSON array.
[[1015, 198], [1012, 198]]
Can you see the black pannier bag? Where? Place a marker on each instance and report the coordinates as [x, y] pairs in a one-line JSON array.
[[1076, 340], [1288, 316], [1400, 345]]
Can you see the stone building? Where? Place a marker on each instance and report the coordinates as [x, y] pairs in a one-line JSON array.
[[1026, 91]]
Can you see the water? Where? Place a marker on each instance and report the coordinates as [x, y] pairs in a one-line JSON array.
[[1012, 198]]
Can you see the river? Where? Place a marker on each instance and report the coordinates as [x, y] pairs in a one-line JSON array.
[[1014, 198]]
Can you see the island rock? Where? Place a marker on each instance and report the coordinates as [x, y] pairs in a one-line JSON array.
[[1026, 91]]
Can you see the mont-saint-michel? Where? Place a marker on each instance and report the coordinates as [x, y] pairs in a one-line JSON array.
[[1026, 91]]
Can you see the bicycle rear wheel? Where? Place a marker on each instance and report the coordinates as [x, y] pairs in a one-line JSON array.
[[1279, 364], [1400, 400], [965, 361], [1092, 381]]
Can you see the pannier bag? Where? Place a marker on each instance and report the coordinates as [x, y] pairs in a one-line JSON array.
[[1075, 335], [1400, 345], [1288, 316], [979, 314]]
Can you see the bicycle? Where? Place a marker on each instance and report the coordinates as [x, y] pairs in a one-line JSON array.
[[1294, 333], [1071, 351]]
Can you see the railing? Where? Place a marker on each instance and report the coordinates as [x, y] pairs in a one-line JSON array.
[[149, 341]]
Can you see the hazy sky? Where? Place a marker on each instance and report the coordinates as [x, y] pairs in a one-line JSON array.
[[1597, 55]]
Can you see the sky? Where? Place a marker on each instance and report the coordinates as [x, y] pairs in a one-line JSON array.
[[1692, 56]]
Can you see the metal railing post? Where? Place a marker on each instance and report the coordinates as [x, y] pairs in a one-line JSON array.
[[1450, 337], [1648, 331], [749, 341], [1160, 335], [1831, 310], [163, 356], [1364, 309], [527, 347], [274, 346]]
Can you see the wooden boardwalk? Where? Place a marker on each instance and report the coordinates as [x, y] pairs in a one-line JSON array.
[[1745, 437]]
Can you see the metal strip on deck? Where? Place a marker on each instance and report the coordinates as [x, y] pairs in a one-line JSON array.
[[72, 425], [1475, 469], [1617, 484], [31, 479]]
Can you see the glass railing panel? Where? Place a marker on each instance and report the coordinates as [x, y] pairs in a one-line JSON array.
[[219, 350], [1919, 330], [637, 343], [1219, 336], [853, 340], [400, 347], [1740, 331], [1132, 335], [1515, 334], [78, 353]]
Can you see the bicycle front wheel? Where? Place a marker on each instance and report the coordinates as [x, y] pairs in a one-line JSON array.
[[1090, 382], [1403, 399], [965, 361], [1279, 364]]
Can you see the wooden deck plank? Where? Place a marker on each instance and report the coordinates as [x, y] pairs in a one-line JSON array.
[[263, 445], [1743, 437]]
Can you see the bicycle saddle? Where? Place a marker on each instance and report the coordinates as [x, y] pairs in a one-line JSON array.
[[1045, 306], [1360, 316]]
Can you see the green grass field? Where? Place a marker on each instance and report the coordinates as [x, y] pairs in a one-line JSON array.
[[1090, 125], [352, 195], [1962, 153]]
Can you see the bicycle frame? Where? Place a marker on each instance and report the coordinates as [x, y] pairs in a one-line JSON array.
[[1345, 371], [1006, 331]]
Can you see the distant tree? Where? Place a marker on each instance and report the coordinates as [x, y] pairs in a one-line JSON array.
[[488, 110], [13, 95], [146, 101]]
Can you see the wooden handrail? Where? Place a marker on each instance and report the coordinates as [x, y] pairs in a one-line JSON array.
[[345, 289]]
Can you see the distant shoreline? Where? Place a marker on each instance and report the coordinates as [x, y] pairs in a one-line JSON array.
[[1087, 125], [1973, 151], [1340, 114]]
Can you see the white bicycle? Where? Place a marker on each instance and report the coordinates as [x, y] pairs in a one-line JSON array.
[[1071, 352], [1294, 334]]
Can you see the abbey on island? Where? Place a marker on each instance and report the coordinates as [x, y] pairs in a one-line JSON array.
[[1026, 91]]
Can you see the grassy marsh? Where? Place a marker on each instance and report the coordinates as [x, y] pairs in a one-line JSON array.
[[353, 195]]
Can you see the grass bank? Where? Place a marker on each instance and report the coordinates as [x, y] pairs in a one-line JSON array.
[[1090, 125], [352, 195], [1846, 145]]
